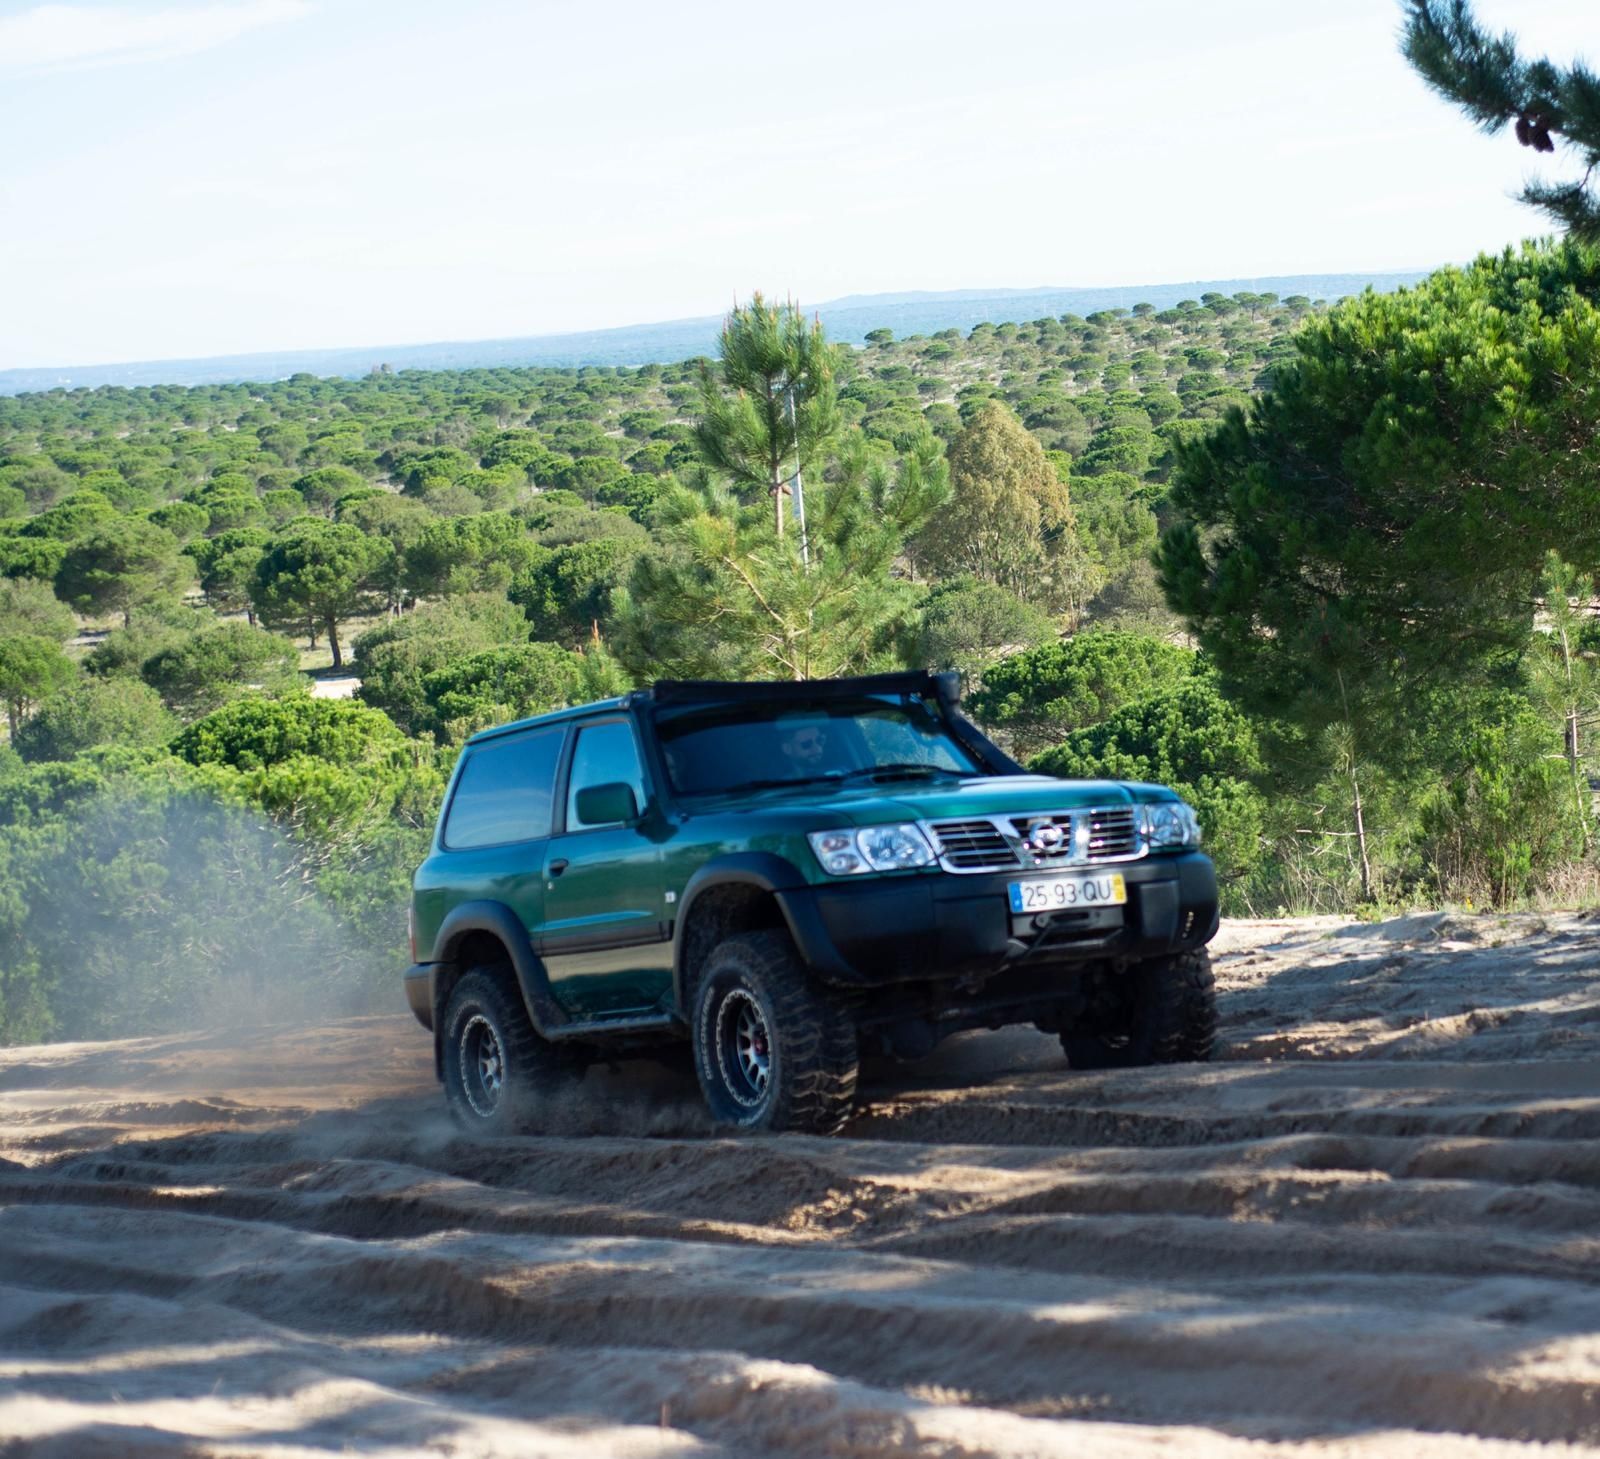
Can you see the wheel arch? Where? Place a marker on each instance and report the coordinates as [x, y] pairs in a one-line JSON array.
[[480, 933], [748, 892]]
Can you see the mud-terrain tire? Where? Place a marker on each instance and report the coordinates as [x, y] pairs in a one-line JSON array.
[[772, 1051], [497, 1070], [1169, 1017]]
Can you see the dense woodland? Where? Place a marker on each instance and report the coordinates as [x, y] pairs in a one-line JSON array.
[[1296, 561]]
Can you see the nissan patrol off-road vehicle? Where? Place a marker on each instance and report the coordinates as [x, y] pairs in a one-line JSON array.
[[789, 876]]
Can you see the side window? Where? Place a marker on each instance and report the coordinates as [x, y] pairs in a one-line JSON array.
[[505, 791], [605, 754]]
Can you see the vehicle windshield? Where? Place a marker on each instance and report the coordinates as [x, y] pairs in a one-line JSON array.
[[719, 748]]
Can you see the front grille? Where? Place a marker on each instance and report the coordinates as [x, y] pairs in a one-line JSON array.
[[1032, 843], [1045, 839], [1113, 834], [973, 846]]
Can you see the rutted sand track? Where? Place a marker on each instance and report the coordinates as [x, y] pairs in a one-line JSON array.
[[1373, 1226]]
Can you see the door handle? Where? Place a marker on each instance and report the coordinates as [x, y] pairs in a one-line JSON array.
[[557, 866]]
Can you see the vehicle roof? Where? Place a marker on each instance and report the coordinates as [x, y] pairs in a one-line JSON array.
[[720, 691], [555, 716]]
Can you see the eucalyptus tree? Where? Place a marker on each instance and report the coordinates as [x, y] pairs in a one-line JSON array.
[[1008, 520]]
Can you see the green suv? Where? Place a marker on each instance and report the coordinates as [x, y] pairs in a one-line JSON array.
[[788, 876]]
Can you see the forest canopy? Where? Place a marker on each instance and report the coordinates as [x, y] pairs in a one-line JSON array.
[[1365, 656]]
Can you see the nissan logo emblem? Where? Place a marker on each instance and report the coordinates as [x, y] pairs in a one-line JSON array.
[[1046, 838]]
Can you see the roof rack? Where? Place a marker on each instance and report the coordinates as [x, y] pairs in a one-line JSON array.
[[943, 686]]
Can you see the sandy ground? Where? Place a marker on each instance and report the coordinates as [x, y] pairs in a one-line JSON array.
[[1369, 1228], [332, 686]]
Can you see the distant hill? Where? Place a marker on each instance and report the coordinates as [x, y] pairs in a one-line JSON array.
[[847, 320]]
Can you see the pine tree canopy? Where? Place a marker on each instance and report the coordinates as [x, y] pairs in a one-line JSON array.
[[770, 404], [1489, 79]]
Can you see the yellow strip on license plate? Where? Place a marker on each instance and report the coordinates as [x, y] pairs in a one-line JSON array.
[[1069, 893]]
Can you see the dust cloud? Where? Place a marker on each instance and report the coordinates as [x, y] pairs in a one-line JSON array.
[[166, 911], [1368, 1229]]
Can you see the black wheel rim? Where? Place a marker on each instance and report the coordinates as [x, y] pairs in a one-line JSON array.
[[744, 1049], [483, 1066]]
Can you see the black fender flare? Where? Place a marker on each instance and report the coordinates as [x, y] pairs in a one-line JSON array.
[[501, 922], [781, 879]]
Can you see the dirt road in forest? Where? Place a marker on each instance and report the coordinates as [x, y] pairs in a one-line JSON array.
[[1372, 1227]]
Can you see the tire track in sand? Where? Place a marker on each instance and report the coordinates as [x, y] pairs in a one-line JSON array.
[[1369, 1229]]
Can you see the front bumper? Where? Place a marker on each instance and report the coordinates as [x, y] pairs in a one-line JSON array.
[[935, 926]]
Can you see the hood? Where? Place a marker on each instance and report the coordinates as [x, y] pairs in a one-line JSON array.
[[871, 804], [993, 795]]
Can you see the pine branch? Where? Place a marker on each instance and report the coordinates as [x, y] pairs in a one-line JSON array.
[[1487, 78], [1480, 73]]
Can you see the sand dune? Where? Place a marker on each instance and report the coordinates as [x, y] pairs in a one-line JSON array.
[[1371, 1227]]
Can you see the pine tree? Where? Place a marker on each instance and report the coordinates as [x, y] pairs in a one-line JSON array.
[[1487, 77], [1357, 555], [771, 405], [729, 599]]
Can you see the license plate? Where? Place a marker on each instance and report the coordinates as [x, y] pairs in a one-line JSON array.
[[1064, 893]]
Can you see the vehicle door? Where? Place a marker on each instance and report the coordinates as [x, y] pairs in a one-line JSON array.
[[496, 828], [606, 927]]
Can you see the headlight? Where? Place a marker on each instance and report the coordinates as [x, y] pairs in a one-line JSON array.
[[877, 848], [1169, 823], [836, 850]]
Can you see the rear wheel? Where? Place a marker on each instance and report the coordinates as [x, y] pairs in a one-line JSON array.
[[1166, 1014], [496, 1067], [771, 1050]]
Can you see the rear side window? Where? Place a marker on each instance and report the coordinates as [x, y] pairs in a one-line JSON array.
[[504, 791]]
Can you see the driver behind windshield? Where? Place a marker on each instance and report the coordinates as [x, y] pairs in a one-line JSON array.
[[803, 744]]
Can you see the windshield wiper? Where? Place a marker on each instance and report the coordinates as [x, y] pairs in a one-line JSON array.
[[904, 770], [775, 783]]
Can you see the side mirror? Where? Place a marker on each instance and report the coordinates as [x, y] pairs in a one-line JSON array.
[[606, 805]]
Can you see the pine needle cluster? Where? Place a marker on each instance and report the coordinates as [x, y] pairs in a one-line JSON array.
[[1489, 79]]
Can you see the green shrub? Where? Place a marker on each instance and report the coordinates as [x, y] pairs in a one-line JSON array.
[[1506, 817], [1192, 740], [1036, 697], [91, 713]]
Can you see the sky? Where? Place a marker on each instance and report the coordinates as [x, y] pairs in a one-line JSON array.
[[195, 177]]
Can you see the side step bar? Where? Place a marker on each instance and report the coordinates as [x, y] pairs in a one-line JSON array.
[[632, 1024]]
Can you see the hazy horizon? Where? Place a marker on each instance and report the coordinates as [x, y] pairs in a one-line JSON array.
[[847, 320], [888, 299]]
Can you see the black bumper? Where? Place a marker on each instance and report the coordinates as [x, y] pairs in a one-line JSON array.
[[921, 928], [419, 992]]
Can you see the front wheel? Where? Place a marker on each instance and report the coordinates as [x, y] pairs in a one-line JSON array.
[[1166, 1013], [771, 1050]]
